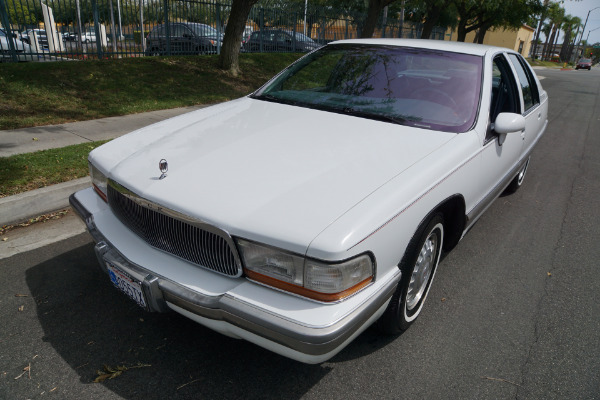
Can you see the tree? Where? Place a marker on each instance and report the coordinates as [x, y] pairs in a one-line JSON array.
[[543, 14], [570, 23], [373, 12], [21, 14], [229, 57], [556, 14], [483, 15], [433, 13]]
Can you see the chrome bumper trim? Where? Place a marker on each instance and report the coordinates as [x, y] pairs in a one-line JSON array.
[[305, 339]]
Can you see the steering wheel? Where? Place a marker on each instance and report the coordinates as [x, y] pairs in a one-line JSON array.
[[436, 96]]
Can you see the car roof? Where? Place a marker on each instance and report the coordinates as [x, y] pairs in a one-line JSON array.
[[444, 45]]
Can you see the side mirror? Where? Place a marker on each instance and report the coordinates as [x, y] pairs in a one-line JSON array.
[[509, 122]]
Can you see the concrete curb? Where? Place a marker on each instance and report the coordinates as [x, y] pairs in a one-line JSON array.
[[23, 206]]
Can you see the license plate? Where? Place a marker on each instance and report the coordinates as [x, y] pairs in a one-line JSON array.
[[124, 283]]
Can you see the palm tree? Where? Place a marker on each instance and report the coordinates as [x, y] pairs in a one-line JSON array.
[[572, 24], [556, 14], [540, 27]]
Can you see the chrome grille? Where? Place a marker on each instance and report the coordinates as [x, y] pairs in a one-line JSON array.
[[174, 233]]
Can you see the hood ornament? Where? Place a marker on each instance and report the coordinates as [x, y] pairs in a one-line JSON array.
[[163, 165]]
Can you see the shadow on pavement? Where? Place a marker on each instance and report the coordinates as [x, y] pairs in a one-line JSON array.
[[90, 325]]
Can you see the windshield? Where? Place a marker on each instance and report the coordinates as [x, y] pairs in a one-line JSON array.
[[585, 60], [424, 88]]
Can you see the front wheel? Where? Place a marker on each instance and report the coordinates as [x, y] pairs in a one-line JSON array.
[[418, 270]]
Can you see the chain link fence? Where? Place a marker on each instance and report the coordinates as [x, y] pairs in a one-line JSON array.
[[33, 30]]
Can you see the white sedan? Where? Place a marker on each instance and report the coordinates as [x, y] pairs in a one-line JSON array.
[[299, 215]]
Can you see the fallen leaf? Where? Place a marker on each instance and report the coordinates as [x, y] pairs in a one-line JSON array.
[[21, 295], [4, 239], [26, 370], [103, 377], [111, 373], [21, 308], [35, 139], [52, 390], [443, 299], [549, 273]]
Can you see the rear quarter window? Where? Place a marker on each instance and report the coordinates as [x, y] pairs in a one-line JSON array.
[[531, 95]]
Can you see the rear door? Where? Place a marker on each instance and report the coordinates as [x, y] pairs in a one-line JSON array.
[[501, 152], [534, 110]]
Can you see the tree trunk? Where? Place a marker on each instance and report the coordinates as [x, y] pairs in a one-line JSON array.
[[481, 33], [555, 41], [375, 7], [229, 58], [371, 21], [548, 46], [537, 34], [543, 57], [433, 16], [564, 50], [461, 31]]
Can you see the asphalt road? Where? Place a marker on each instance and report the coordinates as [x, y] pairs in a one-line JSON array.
[[514, 311]]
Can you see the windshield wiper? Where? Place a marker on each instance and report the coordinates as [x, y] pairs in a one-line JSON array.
[[378, 117], [323, 107], [275, 99]]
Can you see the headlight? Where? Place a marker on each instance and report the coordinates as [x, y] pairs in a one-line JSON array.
[[304, 276], [99, 181]]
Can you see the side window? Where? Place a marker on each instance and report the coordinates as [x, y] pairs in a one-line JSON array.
[[177, 30], [157, 32], [531, 95], [504, 91]]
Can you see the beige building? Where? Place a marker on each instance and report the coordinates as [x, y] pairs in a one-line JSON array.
[[516, 39]]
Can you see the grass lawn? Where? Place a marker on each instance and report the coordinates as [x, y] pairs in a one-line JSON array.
[[23, 172], [36, 94], [45, 93], [550, 64]]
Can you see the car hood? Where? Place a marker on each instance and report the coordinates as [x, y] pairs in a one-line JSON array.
[[265, 171]]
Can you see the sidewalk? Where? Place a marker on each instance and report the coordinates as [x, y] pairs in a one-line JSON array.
[[21, 207], [28, 140]]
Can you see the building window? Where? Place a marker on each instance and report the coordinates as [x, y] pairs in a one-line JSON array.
[[521, 43]]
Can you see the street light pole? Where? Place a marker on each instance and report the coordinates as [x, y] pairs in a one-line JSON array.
[[305, 8], [586, 40], [583, 30]]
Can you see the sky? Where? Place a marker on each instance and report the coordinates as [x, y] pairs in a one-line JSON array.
[[580, 8]]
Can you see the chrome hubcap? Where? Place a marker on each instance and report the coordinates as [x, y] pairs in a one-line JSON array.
[[522, 173], [422, 271]]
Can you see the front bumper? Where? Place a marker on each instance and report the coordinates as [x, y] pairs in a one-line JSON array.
[[236, 314]]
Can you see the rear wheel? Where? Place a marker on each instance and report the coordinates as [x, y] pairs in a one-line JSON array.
[[154, 52], [518, 180], [418, 270]]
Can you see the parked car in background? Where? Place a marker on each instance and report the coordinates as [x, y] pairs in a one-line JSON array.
[[584, 63], [70, 36], [277, 40], [247, 33], [41, 36], [298, 216], [89, 36], [183, 39], [23, 50]]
